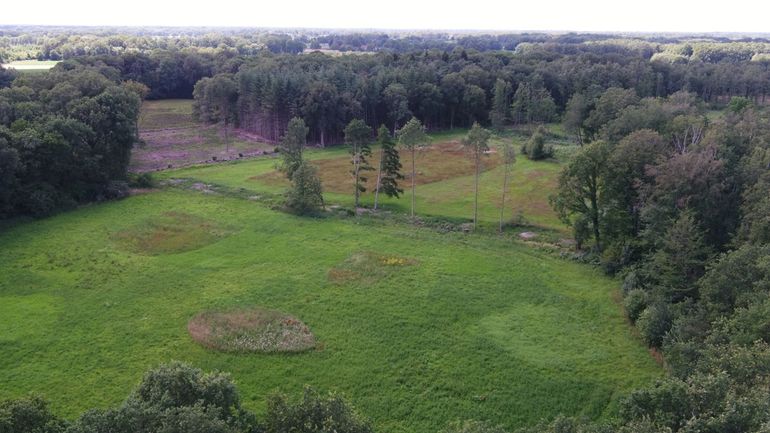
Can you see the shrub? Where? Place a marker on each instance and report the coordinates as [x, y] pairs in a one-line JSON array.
[[305, 195], [141, 180], [28, 415], [313, 414], [536, 148], [635, 302], [653, 323]]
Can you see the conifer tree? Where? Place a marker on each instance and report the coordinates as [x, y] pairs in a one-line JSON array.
[[357, 136], [390, 167]]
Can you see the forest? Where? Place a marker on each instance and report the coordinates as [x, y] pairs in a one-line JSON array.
[[666, 186]]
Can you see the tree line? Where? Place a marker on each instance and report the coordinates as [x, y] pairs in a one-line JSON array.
[[677, 203], [65, 139], [446, 89]]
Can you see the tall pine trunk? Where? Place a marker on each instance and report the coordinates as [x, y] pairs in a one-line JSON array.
[[413, 176], [379, 179], [502, 201], [476, 193]]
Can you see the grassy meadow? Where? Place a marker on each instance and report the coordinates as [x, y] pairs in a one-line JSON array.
[[417, 328]]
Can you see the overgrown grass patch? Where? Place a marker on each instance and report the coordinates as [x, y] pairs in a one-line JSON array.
[[250, 330], [440, 161], [170, 232], [367, 267]]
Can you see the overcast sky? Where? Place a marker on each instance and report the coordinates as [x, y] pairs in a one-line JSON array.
[[579, 15]]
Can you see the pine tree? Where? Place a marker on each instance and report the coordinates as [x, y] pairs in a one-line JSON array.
[[357, 136], [390, 167]]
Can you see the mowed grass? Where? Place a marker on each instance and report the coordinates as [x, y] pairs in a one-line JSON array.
[[453, 326]]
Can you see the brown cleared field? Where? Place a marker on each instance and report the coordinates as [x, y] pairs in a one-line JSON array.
[[172, 137], [440, 161]]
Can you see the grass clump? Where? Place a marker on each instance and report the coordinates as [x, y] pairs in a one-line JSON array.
[[251, 330]]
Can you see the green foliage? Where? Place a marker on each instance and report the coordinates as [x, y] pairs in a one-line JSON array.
[[476, 143], [314, 413], [306, 194], [635, 302], [65, 139], [654, 322], [29, 415], [536, 148], [581, 192], [390, 164], [681, 259], [358, 136], [533, 103], [501, 104], [293, 145], [472, 426]]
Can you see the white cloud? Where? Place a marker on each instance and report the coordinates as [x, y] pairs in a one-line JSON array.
[[588, 15]]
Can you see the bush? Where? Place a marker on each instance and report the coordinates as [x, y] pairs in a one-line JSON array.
[[305, 196], [116, 190], [28, 415], [653, 323], [535, 148], [635, 302], [141, 180], [313, 414]]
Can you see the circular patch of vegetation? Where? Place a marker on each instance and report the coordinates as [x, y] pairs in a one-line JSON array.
[[366, 267], [170, 232], [251, 330]]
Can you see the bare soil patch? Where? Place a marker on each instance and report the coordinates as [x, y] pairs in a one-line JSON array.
[[251, 330]]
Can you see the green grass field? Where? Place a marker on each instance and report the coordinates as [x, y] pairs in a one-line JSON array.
[[477, 327], [415, 327]]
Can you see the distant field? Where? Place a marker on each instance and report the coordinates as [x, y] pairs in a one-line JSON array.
[[171, 137], [416, 328], [31, 65]]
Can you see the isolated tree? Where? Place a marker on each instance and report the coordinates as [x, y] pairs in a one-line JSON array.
[[357, 136], [509, 157], [578, 198], [476, 143], [389, 172], [412, 137], [501, 105], [292, 146], [306, 194]]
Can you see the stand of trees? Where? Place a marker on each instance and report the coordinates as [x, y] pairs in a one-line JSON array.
[[65, 139], [444, 89], [678, 204]]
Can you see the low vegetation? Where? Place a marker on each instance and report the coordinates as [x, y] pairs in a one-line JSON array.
[[250, 330]]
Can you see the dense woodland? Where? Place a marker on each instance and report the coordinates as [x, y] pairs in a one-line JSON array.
[[661, 192]]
